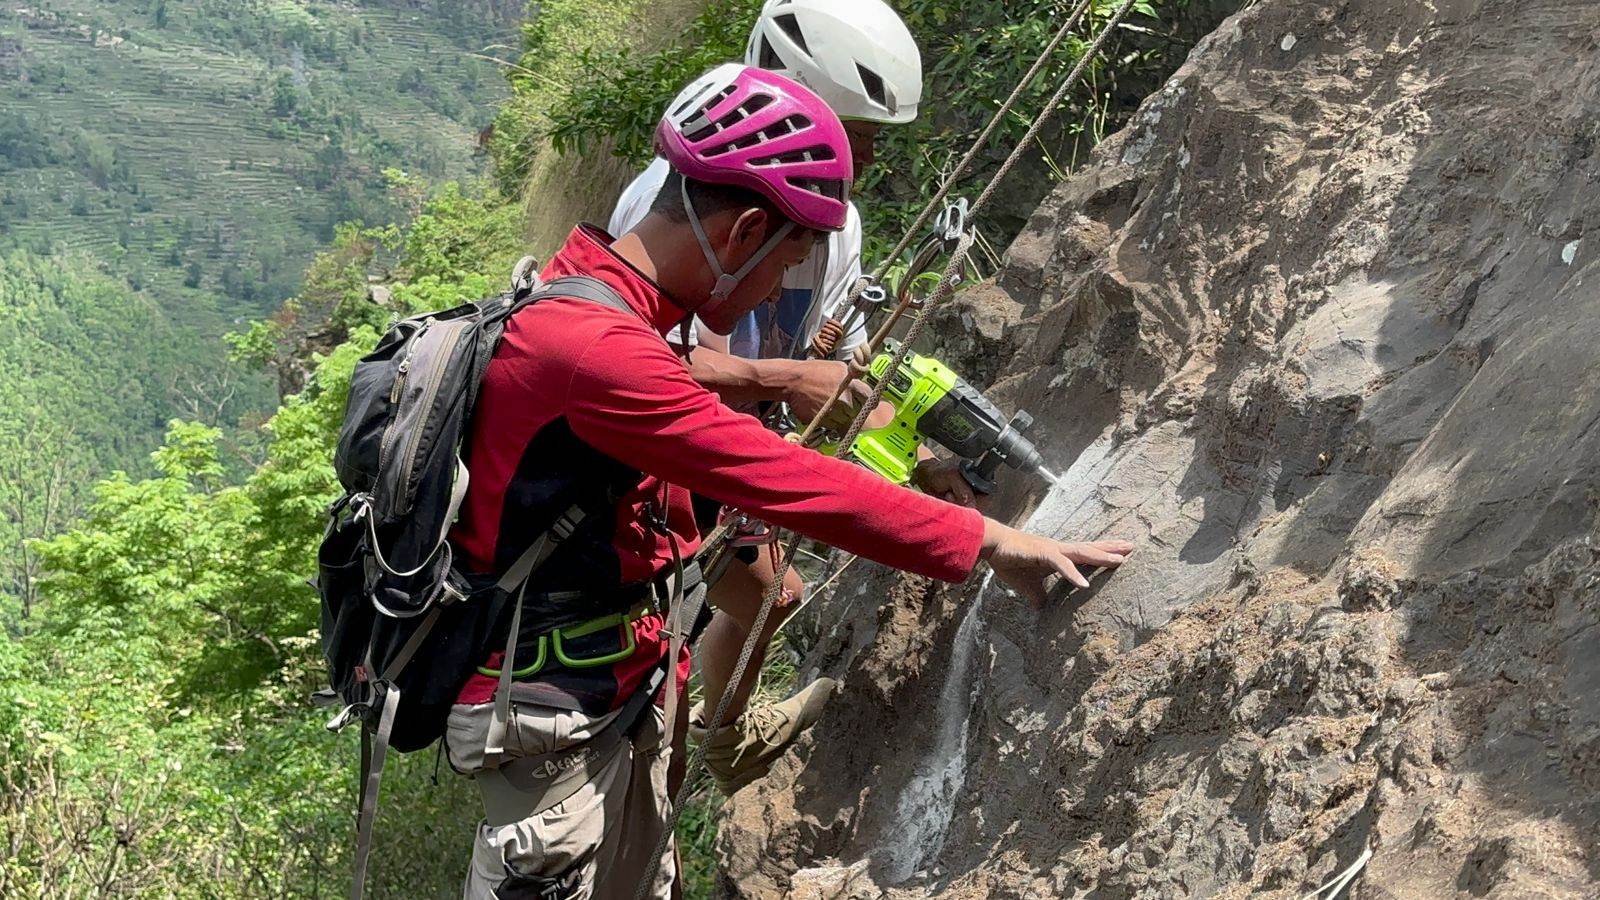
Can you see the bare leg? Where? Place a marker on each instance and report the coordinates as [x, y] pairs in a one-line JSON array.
[[737, 598]]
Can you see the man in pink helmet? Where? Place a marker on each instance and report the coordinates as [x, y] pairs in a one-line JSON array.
[[584, 401], [861, 59]]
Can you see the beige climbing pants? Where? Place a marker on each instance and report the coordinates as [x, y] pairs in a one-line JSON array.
[[562, 820]]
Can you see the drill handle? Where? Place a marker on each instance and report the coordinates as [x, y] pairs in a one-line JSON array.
[[979, 473]]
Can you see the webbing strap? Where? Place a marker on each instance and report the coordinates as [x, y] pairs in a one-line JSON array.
[[373, 756], [409, 648], [541, 548], [677, 624], [530, 785], [494, 744], [726, 282], [583, 287]]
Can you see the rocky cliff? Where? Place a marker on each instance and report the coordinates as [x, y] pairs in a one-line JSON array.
[[1319, 332]]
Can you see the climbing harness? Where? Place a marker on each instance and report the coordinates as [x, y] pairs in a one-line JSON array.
[[945, 287], [553, 643]]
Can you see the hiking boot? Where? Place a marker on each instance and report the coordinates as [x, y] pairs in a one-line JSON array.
[[739, 753]]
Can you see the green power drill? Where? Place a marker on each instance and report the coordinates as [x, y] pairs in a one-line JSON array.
[[933, 402]]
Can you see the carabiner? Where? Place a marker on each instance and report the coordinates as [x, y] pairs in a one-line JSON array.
[[952, 223]]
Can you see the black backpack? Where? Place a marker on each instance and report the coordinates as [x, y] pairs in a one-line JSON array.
[[402, 629]]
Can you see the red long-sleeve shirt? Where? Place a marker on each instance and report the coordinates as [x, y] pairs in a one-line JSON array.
[[580, 393]]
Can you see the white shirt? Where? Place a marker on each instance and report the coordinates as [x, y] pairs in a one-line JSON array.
[[812, 289]]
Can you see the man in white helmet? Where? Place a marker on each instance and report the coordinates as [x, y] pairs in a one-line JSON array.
[[859, 57]]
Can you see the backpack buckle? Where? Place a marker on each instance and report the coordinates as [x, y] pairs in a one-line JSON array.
[[525, 275], [564, 526], [449, 593], [342, 718]]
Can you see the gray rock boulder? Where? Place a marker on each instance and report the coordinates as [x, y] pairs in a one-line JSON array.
[[1319, 331]]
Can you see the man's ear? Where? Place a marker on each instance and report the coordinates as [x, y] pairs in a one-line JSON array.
[[749, 231]]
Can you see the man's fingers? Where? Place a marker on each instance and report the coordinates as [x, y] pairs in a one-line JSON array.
[[961, 492], [1094, 555], [1069, 571], [880, 417]]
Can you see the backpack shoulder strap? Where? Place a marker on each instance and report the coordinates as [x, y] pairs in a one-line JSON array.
[[582, 287]]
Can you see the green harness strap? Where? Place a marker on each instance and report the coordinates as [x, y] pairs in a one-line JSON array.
[[555, 640]]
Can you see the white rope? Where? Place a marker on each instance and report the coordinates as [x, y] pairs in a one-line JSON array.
[[1341, 880]]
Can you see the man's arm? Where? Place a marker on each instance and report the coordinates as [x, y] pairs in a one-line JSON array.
[[739, 380], [805, 384], [632, 399]]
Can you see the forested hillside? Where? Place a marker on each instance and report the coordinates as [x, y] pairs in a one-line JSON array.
[[203, 148], [88, 370], [167, 170]]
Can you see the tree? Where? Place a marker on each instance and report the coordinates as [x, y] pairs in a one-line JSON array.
[[36, 497], [285, 96]]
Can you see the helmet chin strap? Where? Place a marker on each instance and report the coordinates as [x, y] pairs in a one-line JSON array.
[[726, 283]]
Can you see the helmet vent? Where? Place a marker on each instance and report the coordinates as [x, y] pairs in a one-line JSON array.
[[819, 153], [705, 103], [872, 83], [832, 189], [700, 127], [791, 27], [769, 57], [776, 130], [755, 104]]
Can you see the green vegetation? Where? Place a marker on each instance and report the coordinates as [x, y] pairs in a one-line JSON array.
[[154, 738], [209, 144], [974, 54], [154, 734], [89, 370], [167, 169], [559, 47]]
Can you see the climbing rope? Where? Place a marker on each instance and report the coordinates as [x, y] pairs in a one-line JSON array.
[[978, 144], [946, 286], [1335, 887]]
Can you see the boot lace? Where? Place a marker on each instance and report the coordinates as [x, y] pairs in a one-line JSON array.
[[767, 722]]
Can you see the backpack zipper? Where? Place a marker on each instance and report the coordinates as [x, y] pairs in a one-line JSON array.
[[396, 390], [430, 391], [400, 379]]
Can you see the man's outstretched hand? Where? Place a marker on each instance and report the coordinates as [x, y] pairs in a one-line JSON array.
[[1026, 562]]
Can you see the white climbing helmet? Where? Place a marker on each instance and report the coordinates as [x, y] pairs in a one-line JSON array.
[[855, 54]]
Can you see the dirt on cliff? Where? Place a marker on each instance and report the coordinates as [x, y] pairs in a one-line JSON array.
[[1319, 331]]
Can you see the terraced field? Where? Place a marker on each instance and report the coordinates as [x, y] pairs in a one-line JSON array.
[[202, 149]]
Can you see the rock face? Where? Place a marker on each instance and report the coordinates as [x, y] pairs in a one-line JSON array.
[[1319, 332]]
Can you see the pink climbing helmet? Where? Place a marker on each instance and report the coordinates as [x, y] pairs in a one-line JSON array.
[[743, 126]]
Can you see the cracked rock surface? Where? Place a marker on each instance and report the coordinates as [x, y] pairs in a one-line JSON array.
[[1319, 331]]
